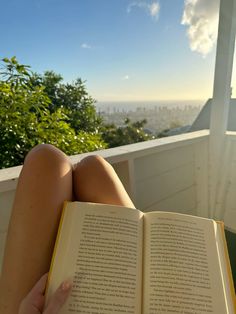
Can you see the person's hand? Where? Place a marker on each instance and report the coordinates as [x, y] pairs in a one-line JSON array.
[[33, 303]]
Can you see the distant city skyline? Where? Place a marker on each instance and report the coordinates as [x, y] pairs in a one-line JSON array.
[[120, 106], [125, 50], [158, 118]]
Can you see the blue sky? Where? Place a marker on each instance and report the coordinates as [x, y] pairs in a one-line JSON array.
[[125, 50]]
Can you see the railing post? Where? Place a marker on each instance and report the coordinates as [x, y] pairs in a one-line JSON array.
[[221, 96]]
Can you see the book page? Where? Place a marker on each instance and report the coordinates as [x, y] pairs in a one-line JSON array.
[[100, 248], [181, 265]]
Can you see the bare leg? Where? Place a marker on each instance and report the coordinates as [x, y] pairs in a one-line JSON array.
[[95, 180], [45, 182]]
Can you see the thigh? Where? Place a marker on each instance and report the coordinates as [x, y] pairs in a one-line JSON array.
[[44, 183]]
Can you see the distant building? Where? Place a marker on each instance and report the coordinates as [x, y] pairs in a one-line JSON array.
[[202, 122], [179, 130]]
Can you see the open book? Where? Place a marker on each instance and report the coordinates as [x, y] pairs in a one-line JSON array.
[[122, 260]]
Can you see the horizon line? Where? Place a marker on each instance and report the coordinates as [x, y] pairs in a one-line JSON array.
[[154, 100]]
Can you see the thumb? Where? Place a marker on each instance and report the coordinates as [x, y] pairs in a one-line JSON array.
[[58, 298]]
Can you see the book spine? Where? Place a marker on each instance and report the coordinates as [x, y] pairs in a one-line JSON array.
[[229, 271], [55, 248]]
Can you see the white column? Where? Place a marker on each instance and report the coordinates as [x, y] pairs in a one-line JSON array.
[[221, 96]]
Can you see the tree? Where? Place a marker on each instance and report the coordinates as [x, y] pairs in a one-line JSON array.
[[25, 118], [131, 132], [81, 112], [74, 98], [38, 109]]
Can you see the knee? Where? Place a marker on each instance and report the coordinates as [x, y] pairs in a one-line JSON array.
[[91, 166], [93, 163], [44, 154]]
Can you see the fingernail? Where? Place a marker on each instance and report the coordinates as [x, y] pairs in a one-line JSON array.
[[65, 286]]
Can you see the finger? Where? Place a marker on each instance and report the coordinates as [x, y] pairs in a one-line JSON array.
[[39, 287], [35, 298], [58, 298], [36, 295]]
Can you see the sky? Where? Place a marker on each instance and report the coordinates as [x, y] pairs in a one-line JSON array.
[[125, 50]]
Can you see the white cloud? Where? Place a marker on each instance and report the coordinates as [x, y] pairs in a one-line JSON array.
[[85, 46], [135, 4], [201, 19], [126, 77], [152, 8]]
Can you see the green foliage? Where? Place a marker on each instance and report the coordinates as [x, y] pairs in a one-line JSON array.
[[73, 98], [38, 109], [53, 129], [131, 132], [20, 107], [25, 118]]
